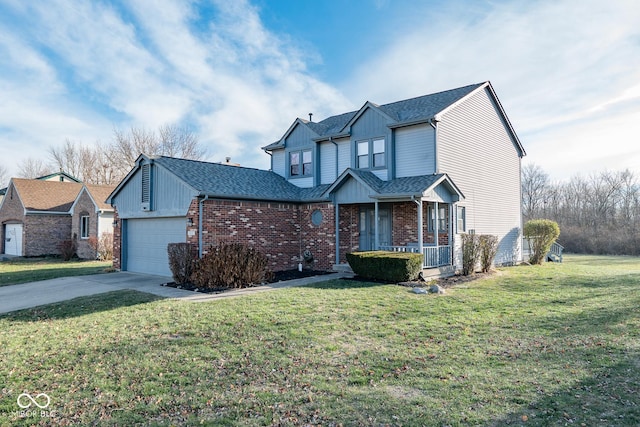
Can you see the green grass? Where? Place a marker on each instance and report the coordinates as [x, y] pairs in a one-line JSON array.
[[23, 270], [549, 345]]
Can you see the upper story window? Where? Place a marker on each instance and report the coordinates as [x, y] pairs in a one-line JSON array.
[[370, 154], [300, 163]]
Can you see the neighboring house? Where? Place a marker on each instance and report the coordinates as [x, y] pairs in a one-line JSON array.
[[37, 215], [91, 217], [407, 176], [57, 176]]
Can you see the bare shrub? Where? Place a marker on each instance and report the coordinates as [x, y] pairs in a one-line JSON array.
[[231, 265], [182, 261], [105, 247], [488, 246], [470, 253], [68, 249]]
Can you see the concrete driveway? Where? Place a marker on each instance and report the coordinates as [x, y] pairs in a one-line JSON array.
[[28, 295]]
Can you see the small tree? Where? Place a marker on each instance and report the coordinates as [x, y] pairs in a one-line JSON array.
[[470, 253], [488, 249], [540, 233]]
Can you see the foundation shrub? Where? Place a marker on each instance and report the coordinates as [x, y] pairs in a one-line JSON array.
[[68, 249], [488, 247], [386, 266], [470, 253], [182, 261], [231, 265]]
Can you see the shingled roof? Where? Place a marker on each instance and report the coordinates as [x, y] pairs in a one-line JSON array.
[[46, 196], [405, 186], [406, 111], [100, 193], [220, 180]]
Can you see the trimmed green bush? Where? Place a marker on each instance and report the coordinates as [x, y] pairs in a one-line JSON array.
[[541, 233], [386, 266]]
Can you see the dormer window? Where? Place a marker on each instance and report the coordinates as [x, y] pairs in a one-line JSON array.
[[370, 154], [300, 163]]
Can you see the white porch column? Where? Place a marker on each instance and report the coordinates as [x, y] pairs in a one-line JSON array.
[[376, 238], [420, 228], [436, 228]]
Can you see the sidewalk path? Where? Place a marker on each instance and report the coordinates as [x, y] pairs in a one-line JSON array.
[[28, 295]]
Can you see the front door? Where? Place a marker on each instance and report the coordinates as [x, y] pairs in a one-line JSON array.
[[368, 228]]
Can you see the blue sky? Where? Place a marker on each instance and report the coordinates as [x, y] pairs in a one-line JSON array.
[[239, 72]]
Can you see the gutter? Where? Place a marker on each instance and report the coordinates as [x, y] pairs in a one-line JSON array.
[[46, 213]]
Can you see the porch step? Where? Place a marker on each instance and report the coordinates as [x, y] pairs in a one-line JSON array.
[[342, 268], [434, 273]]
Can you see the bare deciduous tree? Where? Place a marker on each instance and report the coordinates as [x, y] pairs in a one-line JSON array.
[[534, 189], [4, 176], [33, 168]]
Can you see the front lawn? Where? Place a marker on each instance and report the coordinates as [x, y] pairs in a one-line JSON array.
[[549, 345], [23, 270]]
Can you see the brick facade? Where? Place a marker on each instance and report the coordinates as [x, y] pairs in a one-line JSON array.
[[117, 241], [44, 233], [12, 212], [85, 206], [282, 231]]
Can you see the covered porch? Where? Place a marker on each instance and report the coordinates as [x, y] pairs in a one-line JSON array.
[[412, 214]]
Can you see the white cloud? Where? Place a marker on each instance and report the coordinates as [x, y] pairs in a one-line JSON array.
[[551, 63], [100, 65]]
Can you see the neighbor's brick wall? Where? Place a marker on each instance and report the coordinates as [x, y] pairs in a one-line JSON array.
[[85, 206], [43, 233], [12, 212], [281, 231]]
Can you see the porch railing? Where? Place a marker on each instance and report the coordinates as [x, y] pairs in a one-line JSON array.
[[434, 256]]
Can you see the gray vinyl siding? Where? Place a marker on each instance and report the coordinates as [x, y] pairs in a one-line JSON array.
[[328, 165], [344, 155], [476, 150], [278, 162], [170, 196], [300, 137], [372, 124], [415, 151], [305, 182], [352, 192]]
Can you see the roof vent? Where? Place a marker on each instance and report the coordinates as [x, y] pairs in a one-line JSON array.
[[311, 117]]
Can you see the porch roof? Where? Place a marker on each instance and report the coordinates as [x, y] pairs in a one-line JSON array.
[[399, 188]]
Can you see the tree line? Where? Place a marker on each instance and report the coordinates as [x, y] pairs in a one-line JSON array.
[[108, 164], [597, 214]]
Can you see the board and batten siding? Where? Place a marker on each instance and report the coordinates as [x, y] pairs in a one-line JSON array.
[[415, 151], [476, 150], [170, 196], [278, 162]]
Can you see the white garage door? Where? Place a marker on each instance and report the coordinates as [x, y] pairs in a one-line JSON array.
[[147, 241], [13, 239]]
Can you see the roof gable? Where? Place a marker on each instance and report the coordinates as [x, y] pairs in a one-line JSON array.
[[98, 195], [367, 106], [400, 187], [46, 196]]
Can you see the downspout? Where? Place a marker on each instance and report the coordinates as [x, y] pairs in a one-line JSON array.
[[337, 221], [200, 226]]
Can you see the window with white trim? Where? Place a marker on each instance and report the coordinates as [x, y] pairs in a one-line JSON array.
[[300, 163], [84, 226], [371, 153], [442, 218], [462, 219]]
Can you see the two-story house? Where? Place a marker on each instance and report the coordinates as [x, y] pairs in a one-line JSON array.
[[407, 176]]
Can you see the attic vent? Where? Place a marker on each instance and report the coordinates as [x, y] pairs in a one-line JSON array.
[[146, 187]]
